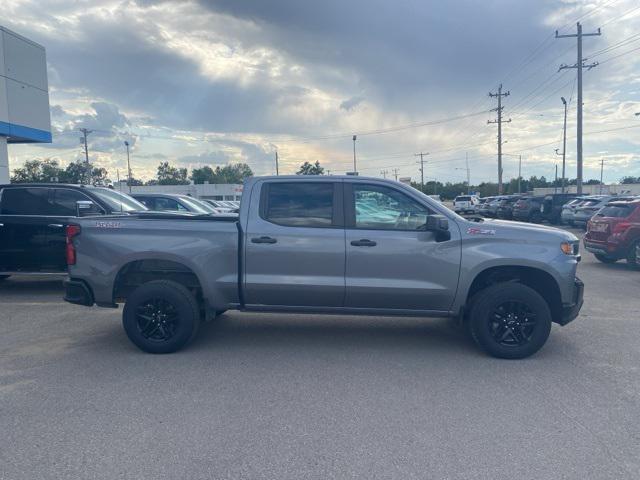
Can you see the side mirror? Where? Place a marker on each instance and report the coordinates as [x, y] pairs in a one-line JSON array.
[[85, 207], [439, 225]]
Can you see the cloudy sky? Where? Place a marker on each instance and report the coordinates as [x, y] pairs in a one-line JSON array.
[[223, 81]]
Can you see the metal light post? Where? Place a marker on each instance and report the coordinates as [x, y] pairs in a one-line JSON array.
[[564, 143], [355, 170], [126, 144]]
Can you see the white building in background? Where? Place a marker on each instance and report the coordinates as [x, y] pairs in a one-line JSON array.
[[614, 189], [24, 95], [209, 191]]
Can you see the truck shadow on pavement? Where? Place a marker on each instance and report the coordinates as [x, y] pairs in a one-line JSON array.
[[343, 333]]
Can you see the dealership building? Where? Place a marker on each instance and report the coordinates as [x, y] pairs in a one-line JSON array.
[[207, 191], [24, 95]]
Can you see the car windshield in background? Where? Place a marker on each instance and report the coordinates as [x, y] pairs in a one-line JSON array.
[[462, 199], [196, 206], [118, 201], [619, 211]]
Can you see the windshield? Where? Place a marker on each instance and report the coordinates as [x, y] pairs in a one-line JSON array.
[[118, 202], [195, 205], [462, 199]]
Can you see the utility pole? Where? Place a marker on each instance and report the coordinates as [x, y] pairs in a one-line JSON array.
[[277, 172], [499, 121], [421, 162], [126, 144], [355, 170], [395, 173], [601, 171], [579, 65], [519, 172], [384, 173], [555, 184], [466, 158], [87, 173]]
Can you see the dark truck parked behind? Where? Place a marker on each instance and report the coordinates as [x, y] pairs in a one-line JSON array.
[[33, 219], [331, 244]]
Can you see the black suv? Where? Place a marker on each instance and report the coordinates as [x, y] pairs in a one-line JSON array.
[[34, 217], [505, 208], [527, 209], [551, 208]]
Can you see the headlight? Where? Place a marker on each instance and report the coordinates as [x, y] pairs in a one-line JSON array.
[[569, 248]]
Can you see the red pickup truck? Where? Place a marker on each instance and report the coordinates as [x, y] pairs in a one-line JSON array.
[[614, 232]]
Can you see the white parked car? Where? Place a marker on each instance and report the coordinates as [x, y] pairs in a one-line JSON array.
[[465, 204]]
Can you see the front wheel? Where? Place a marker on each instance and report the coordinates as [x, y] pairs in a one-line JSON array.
[[161, 316], [633, 256], [509, 320]]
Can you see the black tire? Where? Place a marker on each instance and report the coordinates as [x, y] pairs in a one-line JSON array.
[[161, 316], [633, 256], [4, 277], [605, 259], [492, 315]]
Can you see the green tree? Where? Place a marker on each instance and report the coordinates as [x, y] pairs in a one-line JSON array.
[[170, 175], [629, 180], [202, 175], [38, 171], [310, 169], [234, 173]]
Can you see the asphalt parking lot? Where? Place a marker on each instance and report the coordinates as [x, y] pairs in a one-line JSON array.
[[310, 396]]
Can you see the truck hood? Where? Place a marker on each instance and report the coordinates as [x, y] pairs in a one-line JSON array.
[[517, 229]]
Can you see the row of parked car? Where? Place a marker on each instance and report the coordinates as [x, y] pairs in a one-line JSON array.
[[33, 219], [612, 222]]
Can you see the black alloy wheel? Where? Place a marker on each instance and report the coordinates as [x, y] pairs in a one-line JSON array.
[[157, 320], [512, 324]]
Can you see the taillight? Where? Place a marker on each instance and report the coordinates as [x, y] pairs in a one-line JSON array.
[[70, 232], [621, 227]]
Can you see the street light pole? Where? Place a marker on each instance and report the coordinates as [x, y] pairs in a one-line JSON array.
[[355, 170], [126, 144], [519, 172], [564, 143]]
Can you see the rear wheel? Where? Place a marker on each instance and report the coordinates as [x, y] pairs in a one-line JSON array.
[[605, 259], [633, 256], [509, 320], [161, 316]]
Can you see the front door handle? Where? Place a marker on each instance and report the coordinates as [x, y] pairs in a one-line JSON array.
[[263, 240], [55, 225], [363, 243]]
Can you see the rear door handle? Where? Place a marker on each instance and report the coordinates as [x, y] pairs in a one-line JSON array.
[[55, 225], [263, 240], [363, 243]]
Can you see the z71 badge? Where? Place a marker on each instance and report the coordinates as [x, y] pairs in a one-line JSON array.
[[106, 224], [480, 231]]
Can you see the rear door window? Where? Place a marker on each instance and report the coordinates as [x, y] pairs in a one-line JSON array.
[[299, 204], [64, 201], [26, 201]]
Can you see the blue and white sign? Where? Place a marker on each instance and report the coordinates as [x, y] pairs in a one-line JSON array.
[[24, 94]]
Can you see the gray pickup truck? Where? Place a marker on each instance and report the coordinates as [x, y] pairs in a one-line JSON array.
[[328, 244]]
